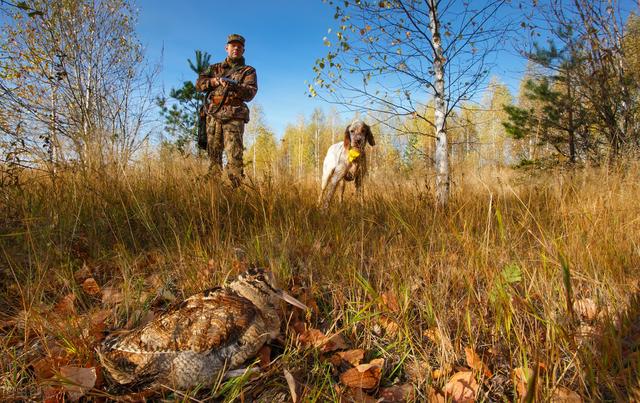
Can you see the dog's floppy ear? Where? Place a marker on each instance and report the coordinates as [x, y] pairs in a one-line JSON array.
[[369, 135], [347, 138]]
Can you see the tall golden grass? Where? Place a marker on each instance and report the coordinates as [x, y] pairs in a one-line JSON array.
[[536, 272]]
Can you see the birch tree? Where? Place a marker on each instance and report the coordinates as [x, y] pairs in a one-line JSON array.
[[390, 57], [74, 82]]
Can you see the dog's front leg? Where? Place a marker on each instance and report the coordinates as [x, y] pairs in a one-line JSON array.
[[332, 184], [342, 185]]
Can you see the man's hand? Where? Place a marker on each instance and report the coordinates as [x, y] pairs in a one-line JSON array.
[[216, 81]]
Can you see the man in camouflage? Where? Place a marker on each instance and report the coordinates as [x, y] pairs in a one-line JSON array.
[[228, 85]]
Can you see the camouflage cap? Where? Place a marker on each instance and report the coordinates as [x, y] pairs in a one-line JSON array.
[[235, 38]]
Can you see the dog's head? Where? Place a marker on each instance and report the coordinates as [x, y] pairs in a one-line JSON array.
[[357, 134]]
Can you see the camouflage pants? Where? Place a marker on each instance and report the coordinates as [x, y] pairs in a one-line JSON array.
[[227, 137]]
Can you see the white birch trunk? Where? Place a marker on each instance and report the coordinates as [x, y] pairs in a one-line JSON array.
[[441, 153]]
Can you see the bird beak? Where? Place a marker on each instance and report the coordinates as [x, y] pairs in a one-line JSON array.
[[288, 298]]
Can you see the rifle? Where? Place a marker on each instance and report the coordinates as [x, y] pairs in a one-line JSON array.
[[202, 123], [229, 81]]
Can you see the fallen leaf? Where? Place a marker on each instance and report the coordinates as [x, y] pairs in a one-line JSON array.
[[389, 325], [45, 368], [81, 380], [53, 394], [364, 376], [564, 395], [335, 342], [356, 395], [462, 387], [111, 296], [315, 338], [475, 362], [100, 317], [353, 357], [66, 305], [90, 286], [390, 301], [397, 394], [264, 357], [586, 309], [98, 321], [521, 376], [435, 396], [432, 334], [291, 382], [312, 337]]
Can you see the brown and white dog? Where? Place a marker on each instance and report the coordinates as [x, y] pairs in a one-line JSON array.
[[346, 161]]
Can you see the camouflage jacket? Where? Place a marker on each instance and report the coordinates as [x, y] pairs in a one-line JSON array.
[[234, 106]]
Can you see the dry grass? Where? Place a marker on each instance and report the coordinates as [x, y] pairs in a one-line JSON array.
[[506, 270]]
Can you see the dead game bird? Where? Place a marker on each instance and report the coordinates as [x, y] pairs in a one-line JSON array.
[[198, 340]]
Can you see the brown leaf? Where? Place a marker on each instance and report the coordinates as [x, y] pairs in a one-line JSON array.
[[264, 356], [46, 368], [462, 387], [475, 362], [397, 394], [335, 342], [66, 305], [389, 325], [390, 301], [312, 337], [80, 381], [521, 378], [315, 338], [364, 376], [432, 334], [98, 319], [356, 395], [564, 395], [435, 396], [111, 296], [293, 387], [353, 357], [90, 286], [53, 394]]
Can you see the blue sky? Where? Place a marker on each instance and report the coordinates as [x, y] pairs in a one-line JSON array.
[[284, 38]]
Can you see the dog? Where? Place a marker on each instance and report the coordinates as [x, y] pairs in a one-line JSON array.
[[346, 161]]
